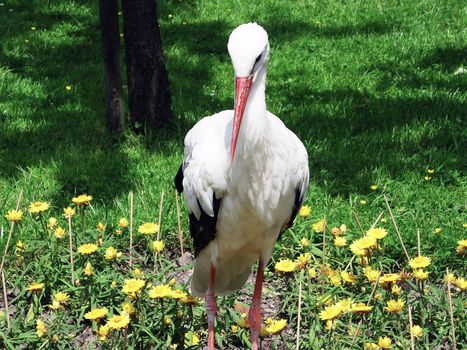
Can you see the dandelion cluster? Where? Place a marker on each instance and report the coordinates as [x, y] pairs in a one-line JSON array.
[[347, 284]]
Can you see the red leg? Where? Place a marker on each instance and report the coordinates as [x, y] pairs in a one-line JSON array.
[[254, 316], [211, 307]]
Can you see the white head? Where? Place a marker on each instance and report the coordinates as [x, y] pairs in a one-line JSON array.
[[249, 50]]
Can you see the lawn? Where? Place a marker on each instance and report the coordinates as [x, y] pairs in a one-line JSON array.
[[370, 87]]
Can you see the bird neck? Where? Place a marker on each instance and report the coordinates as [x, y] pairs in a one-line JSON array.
[[253, 129]]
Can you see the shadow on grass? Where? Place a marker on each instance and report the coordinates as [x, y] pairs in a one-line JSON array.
[[349, 133]]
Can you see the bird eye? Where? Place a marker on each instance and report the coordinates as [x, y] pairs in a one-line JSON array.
[[258, 58]]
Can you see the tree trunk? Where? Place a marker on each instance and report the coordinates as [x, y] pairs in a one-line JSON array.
[[108, 16], [148, 83]]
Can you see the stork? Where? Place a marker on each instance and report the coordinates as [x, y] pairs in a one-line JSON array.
[[244, 177]]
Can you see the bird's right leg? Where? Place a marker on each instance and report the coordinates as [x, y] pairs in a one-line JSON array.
[[211, 307]]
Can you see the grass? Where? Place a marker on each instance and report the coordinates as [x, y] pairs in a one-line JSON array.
[[368, 86]]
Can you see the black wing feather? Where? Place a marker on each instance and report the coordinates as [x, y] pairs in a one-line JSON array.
[[179, 179], [296, 207], [204, 230]]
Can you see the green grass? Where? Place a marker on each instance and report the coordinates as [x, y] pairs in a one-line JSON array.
[[368, 86]]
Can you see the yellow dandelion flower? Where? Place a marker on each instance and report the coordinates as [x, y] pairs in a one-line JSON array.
[[68, 87], [178, 294], [137, 273], [427, 178], [59, 232], [69, 212], [103, 332], [88, 269], [366, 242], [377, 233], [61, 297], [52, 223], [374, 187], [312, 273], [128, 308], [361, 308], [118, 232], [338, 231], [389, 278], [371, 346], [305, 211], [191, 339], [113, 285], [420, 274], [461, 283], [304, 242], [363, 202], [340, 241], [416, 331], [149, 228], [133, 286], [87, 249], [384, 343], [330, 312], [101, 227], [329, 325], [285, 266], [111, 253], [319, 226], [345, 305], [123, 222], [302, 260], [234, 328], [160, 292], [38, 207], [167, 320], [82, 199], [41, 328], [419, 262], [461, 246], [119, 321], [349, 277], [20, 247], [35, 287], [430, 171], [335, 279], [371, 274], [56, 305], [438, 230], [276, 326], [450, 278], [190, 300], [157, 246], [394, 306], [96, 314], [14, 215], [396, 290], [360, 246]]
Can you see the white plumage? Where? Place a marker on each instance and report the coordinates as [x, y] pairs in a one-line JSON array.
[[257, 189], [261, 178]]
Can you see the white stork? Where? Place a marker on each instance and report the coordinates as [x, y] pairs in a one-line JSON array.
[[244, 178]]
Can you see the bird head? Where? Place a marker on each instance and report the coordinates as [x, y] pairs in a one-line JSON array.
[[249, 50]]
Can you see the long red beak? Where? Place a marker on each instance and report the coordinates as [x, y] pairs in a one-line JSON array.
[[242, 91]]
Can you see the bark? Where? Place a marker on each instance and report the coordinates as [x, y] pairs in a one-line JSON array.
[[108, 15], [148, 83]]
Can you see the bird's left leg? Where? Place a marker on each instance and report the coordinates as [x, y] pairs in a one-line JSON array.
[[254, 316], [211, 307]]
